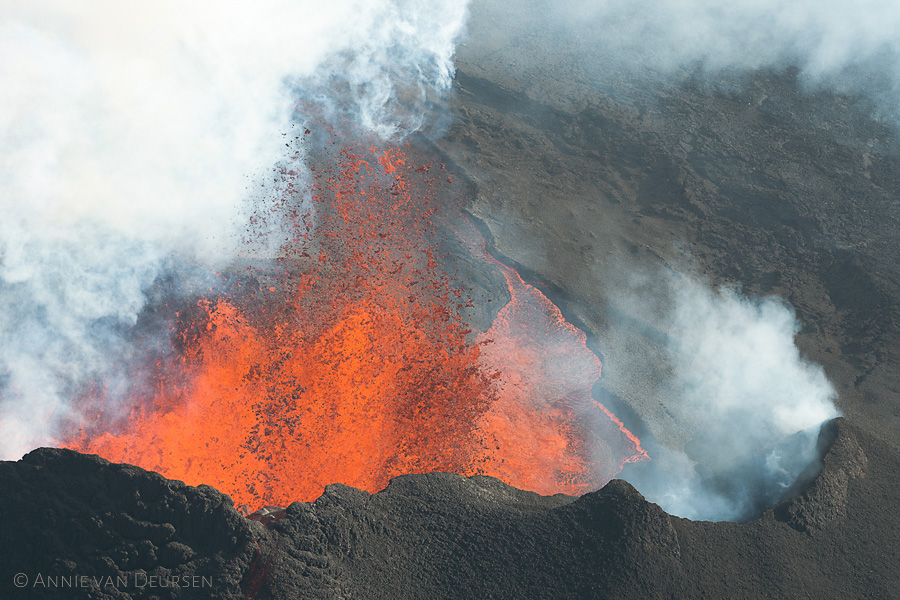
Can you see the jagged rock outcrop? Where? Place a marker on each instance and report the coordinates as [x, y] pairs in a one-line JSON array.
[[77, 526]]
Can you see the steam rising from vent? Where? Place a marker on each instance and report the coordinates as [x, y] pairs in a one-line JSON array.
[[737, 381], [129, 136]]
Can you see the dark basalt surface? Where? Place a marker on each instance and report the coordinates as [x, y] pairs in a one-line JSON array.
[[66, 515], [446, 536]]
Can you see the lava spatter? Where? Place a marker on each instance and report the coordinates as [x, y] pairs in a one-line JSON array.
[[352, 360]]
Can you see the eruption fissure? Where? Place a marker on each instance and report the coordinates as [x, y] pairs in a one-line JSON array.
[[355, 361]]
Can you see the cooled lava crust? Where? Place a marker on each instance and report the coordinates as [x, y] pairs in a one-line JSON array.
[[446, 536]]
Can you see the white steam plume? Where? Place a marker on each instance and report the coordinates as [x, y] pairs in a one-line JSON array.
[[754, 405], [129, 135]]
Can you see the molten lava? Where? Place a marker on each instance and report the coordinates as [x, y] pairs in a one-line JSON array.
[[353, 361]]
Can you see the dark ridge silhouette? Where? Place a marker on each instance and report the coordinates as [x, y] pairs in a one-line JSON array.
[[443, 536]]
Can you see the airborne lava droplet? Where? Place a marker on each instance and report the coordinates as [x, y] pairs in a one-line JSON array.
[[355, 362]]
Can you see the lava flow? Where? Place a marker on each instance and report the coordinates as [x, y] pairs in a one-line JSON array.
[[353, 360]]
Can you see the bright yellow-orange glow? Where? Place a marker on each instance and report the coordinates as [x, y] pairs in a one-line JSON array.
[[354, 362]]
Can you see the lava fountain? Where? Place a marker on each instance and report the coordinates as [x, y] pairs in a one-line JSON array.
[[353, 358]]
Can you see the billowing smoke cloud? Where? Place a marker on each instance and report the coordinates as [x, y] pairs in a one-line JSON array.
[[130, 134], [734, 381]]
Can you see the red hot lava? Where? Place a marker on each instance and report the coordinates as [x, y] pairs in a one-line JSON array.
[[354, 363]]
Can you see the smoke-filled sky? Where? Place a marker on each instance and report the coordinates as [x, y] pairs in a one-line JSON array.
[[130, 134]]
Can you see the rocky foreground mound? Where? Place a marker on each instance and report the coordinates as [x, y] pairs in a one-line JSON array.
[[77, 526]]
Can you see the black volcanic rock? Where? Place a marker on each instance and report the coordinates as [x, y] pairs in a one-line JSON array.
[[447, 536], [74, 523], [837, 539], [443, 535], [825, 501]]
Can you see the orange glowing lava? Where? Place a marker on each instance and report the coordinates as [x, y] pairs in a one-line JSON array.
[[352, 361]]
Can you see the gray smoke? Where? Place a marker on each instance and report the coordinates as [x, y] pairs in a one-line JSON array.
[[850, 47], [824, 38], [130, 134], [746, 405]]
